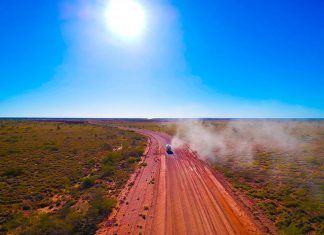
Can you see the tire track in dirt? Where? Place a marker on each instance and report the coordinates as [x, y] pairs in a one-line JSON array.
[[186, 198]]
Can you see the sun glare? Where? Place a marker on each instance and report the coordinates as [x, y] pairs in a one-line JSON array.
[[125, 18]]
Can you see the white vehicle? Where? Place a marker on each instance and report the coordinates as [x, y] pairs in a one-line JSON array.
[[168, 149]]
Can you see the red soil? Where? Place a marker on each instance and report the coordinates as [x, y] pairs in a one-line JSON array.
[[177, 194]]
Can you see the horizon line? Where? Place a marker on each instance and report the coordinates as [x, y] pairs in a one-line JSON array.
[[160, 118]]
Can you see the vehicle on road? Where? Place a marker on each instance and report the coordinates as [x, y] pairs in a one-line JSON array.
[[168, 149]]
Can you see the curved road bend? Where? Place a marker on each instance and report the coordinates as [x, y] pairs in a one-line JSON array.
[[177, 194]]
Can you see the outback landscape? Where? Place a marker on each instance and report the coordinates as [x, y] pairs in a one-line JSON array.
[[62, 177], [115, 177], [161, 117]]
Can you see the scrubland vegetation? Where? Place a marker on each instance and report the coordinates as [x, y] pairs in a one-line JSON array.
[[62, 178], [153, 125], [288, 185]]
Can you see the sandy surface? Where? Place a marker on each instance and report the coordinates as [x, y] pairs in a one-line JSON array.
[[176, 194]]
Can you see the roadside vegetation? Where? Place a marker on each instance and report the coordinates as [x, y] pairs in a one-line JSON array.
[[164, 126], [286, 184], [62, 177]]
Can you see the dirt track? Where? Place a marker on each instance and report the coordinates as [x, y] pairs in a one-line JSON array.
[[176, 194]]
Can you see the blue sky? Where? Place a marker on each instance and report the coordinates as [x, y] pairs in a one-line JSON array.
[[221, 58]]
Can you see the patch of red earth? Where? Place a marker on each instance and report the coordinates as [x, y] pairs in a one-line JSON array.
[[178, 194], [57, 202], [136, 200]]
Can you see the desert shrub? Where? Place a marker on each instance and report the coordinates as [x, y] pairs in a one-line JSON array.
[[316, 161], [144, 164], [291, 230], [259, 193], [86, 222], [66, 209], [13, 171], [88, 181], [103, 206], [239, 185], [91, 162], [13, 151], [112, 157], [135, 152], [108, 170], [133, 159], [46, 224], [13, 222], [290, 202], [269, 207], [106, 147], [51, 148]]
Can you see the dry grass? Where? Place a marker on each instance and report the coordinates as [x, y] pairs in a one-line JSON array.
[[43, 161]]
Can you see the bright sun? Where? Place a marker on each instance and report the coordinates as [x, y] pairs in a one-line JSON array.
[[125, 18]]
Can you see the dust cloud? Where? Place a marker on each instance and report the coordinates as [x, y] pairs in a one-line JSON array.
[[234, 138]]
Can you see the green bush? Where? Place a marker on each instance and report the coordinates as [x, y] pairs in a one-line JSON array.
[[46, 224], [108, 170], [291, 230], [107, 147], [135, 152], [133, 159], [103, 206], [91, 162], [13, 171], [112, 157], [13, 223], [88, 182]]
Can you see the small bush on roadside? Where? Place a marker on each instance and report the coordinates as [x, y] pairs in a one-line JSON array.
[[112, 157], [107, 170], [103, 206], [13, 171], [46, 224], [91, 162], [133, 159], [291, 230], [88, 182], [107, 147], [13, 223]]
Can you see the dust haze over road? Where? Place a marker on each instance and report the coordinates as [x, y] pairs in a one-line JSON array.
[[236, 138], [176, 194]]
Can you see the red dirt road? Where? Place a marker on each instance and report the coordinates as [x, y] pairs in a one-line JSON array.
[[176, 194]]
